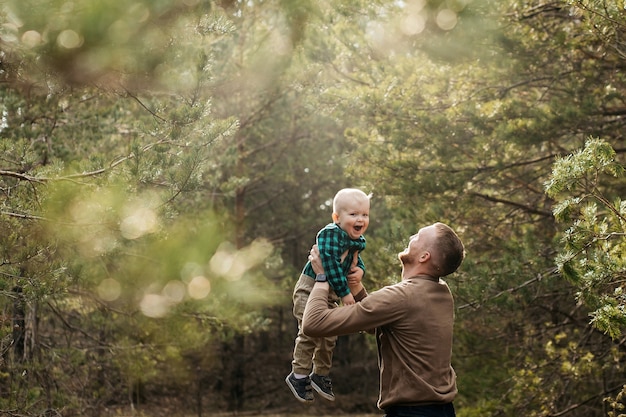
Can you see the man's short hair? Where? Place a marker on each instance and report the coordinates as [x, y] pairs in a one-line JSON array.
[[450, 249]]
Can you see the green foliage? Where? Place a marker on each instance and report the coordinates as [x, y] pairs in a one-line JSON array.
[[594, 245], [472, 143], [582, 169], [164, 167], [106, 230], [89, 41], [617, 404]]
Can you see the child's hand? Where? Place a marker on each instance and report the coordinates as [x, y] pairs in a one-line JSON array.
[[348, 299]]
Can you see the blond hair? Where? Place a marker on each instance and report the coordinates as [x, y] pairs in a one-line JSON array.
[[346, 195]]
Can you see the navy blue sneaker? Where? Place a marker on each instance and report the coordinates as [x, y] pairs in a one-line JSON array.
[[323, 385], [301, 388]]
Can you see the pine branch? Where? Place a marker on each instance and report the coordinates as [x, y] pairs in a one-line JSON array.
[[588, 400], [528, 209]]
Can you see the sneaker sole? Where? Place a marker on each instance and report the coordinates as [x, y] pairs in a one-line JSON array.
[[321, 392], [295, 393]]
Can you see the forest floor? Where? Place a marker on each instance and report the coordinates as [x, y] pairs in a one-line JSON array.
[[295, 411]]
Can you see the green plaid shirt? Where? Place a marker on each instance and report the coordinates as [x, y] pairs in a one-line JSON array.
[[332, 242]]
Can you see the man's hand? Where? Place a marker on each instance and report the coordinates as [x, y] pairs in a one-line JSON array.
[[316, 262], [355, 275]]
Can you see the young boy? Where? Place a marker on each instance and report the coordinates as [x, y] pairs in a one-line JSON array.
[[337, 243]]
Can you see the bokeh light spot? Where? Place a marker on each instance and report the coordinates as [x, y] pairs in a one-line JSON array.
[[446, 19], [142, 221], [175, 291], [109, 289], [199, 287], [31, 38], [154, 305], [413, 24], [69, 39], [222, 260]]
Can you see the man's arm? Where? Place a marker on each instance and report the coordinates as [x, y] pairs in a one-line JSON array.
[[319, 320], [377, 309]]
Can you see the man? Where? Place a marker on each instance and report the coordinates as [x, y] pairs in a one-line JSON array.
[[413, 321]]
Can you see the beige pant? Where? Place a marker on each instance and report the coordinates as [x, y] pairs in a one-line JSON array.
[[311, 354]]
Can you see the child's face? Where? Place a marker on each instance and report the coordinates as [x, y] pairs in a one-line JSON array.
[[354, 217]]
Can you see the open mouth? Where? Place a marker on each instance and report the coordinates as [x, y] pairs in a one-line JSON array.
[[358, 228]]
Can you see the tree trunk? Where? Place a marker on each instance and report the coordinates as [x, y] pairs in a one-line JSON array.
[[235, 362], [19, 325]]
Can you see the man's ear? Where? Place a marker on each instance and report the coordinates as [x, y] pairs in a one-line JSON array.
[[424, 256], [335, 217]]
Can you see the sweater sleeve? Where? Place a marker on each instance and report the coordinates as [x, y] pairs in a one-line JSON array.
[[377, 309], [360, 295]]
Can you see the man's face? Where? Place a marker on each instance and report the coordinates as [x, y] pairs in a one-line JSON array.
[[418, 244]]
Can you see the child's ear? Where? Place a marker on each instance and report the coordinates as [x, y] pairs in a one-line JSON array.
[[335, 217]]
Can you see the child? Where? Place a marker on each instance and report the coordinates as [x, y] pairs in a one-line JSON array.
[[337, 243]]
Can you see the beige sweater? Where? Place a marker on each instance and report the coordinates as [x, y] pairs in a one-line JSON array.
[[413, 321]]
